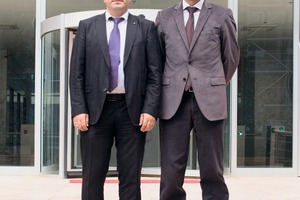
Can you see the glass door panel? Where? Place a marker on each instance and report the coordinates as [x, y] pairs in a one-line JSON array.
[[265, 84], [193, 161], [17, 79]]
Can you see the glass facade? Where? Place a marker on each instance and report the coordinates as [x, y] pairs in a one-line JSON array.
[[56, 7], [263, 95], [265, 84], [17, 80]]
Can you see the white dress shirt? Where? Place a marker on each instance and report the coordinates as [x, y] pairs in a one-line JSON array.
[[196, 14]]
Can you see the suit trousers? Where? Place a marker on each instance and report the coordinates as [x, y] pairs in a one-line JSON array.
[[114, 125], [174, 144]]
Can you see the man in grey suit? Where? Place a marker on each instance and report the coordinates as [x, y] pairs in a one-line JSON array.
[[115, 81], [201, 54]]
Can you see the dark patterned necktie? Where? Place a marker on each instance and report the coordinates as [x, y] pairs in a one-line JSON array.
[[114, 53], [189, 28], [190, 23]]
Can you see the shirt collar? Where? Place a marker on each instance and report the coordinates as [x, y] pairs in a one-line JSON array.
[[197, 5], [125, 16]]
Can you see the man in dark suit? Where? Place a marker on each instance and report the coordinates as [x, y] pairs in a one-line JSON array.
[[115, 81], [201, 54]]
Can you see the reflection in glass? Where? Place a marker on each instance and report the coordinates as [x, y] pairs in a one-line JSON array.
[[265, 82], [50, 115], [17, 83], [56, 7]]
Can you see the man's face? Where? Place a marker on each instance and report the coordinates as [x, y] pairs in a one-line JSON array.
[[117, 6]]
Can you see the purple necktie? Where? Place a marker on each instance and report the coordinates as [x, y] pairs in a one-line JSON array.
[[189, 28], [114, 53]]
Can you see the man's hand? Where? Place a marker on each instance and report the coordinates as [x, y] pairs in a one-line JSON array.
[[147, 122], [81, 121]]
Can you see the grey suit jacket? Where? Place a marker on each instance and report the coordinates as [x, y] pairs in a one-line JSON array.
[[211, 59]]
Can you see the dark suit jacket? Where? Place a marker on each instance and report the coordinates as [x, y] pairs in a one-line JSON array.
[[90, 68], [211, 59]]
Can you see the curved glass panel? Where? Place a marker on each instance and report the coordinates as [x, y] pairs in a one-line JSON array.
[[50, 111], [265, 84]]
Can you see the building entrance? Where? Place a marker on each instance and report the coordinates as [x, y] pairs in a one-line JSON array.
[[60, 148]]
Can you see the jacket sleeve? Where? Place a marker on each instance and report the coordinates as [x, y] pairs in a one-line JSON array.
[[229, 46], [77, 73], [154, 73]]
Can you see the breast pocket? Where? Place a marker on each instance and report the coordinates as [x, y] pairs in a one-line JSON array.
[[139, 43], [211, 34]]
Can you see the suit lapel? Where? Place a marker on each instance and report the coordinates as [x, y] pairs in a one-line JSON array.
[[100, 24], [180, 23], [130, 35], [204, 14]]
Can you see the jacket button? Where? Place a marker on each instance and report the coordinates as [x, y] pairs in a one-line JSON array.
[[184, 79], [190, 62]]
